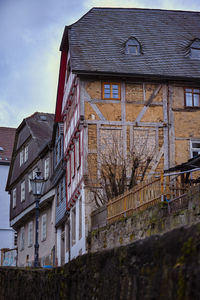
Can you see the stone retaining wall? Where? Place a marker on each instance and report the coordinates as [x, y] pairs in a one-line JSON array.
[[155, 220], [156, 268]]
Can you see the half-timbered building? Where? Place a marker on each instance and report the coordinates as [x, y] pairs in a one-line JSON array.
[[134, 74]]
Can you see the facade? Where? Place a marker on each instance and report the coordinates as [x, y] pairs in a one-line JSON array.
[[138, 81], [7, 235], [32, 152], [58, 180]]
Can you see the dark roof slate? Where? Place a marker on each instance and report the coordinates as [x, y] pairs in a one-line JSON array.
[[97, 42], [41, 127], [7, 136]]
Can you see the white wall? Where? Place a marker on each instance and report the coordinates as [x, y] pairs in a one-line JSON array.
[[6, 232], [80, 244]]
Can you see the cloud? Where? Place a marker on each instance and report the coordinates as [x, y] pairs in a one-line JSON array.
[[31, 33]]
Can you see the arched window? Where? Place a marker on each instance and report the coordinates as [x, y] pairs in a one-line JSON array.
[[195, 49], [132, 47]]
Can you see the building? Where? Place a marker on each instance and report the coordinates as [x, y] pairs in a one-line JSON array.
[[58, 180], [6, 145], [32, 152], [133, 74]]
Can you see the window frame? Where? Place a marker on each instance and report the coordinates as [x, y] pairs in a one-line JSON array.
[[69, 171], [73, 225], [192, 93], [111, 83], [23, 188], [192, 149], [46, 168], [14, 197], [44, 227], [30, 234], [22, 239]]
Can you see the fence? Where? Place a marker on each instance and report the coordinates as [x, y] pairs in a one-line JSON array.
[[140, 197], [172, 188]]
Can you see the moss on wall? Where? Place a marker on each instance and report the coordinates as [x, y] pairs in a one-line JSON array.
[[160, 267]]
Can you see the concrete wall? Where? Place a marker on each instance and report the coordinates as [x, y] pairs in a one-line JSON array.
[[155, 220], [160, 267], [6, 232]]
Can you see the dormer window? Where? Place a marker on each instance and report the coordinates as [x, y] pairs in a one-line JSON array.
[[195, 49], [132, 47]]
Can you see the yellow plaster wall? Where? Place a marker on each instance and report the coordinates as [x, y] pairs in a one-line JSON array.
[[182, 151], [132, 111], [111, 111], [92, 137], [153, 114], [187, 124], [89, 111], [134, 92], [178, 97], [93, 89], [92, 166], [150, 88]]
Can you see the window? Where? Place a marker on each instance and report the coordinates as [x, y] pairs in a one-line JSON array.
[[23, 155], [46, 168], [73, 163], [80, 218], [68, 172], [30, 176], [22, 241], [195, 148], [30, 234], [132, 46], [14, 198], [111, 91], [23, 191], [73, 226], [192, 97], [44, 228], [77, 149], [67, 237], [195, 49]]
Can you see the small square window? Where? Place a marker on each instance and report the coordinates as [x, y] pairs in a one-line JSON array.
[[194, 148], [192, 97], [111, 91]]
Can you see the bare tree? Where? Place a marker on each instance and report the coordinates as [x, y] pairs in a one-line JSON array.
[[121, 169]]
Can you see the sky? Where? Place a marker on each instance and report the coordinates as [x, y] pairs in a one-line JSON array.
[[31, 32]]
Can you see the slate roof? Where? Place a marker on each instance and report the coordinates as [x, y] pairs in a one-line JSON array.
[[7, 136], [97, 42], [41, 127]]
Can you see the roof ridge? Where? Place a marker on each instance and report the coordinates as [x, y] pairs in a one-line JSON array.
[[138, 8]]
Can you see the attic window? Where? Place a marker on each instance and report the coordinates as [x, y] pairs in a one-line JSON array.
[[43, 118], [195, 49], [132, 47]]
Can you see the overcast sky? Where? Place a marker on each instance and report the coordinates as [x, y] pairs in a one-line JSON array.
[[31, 32]]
